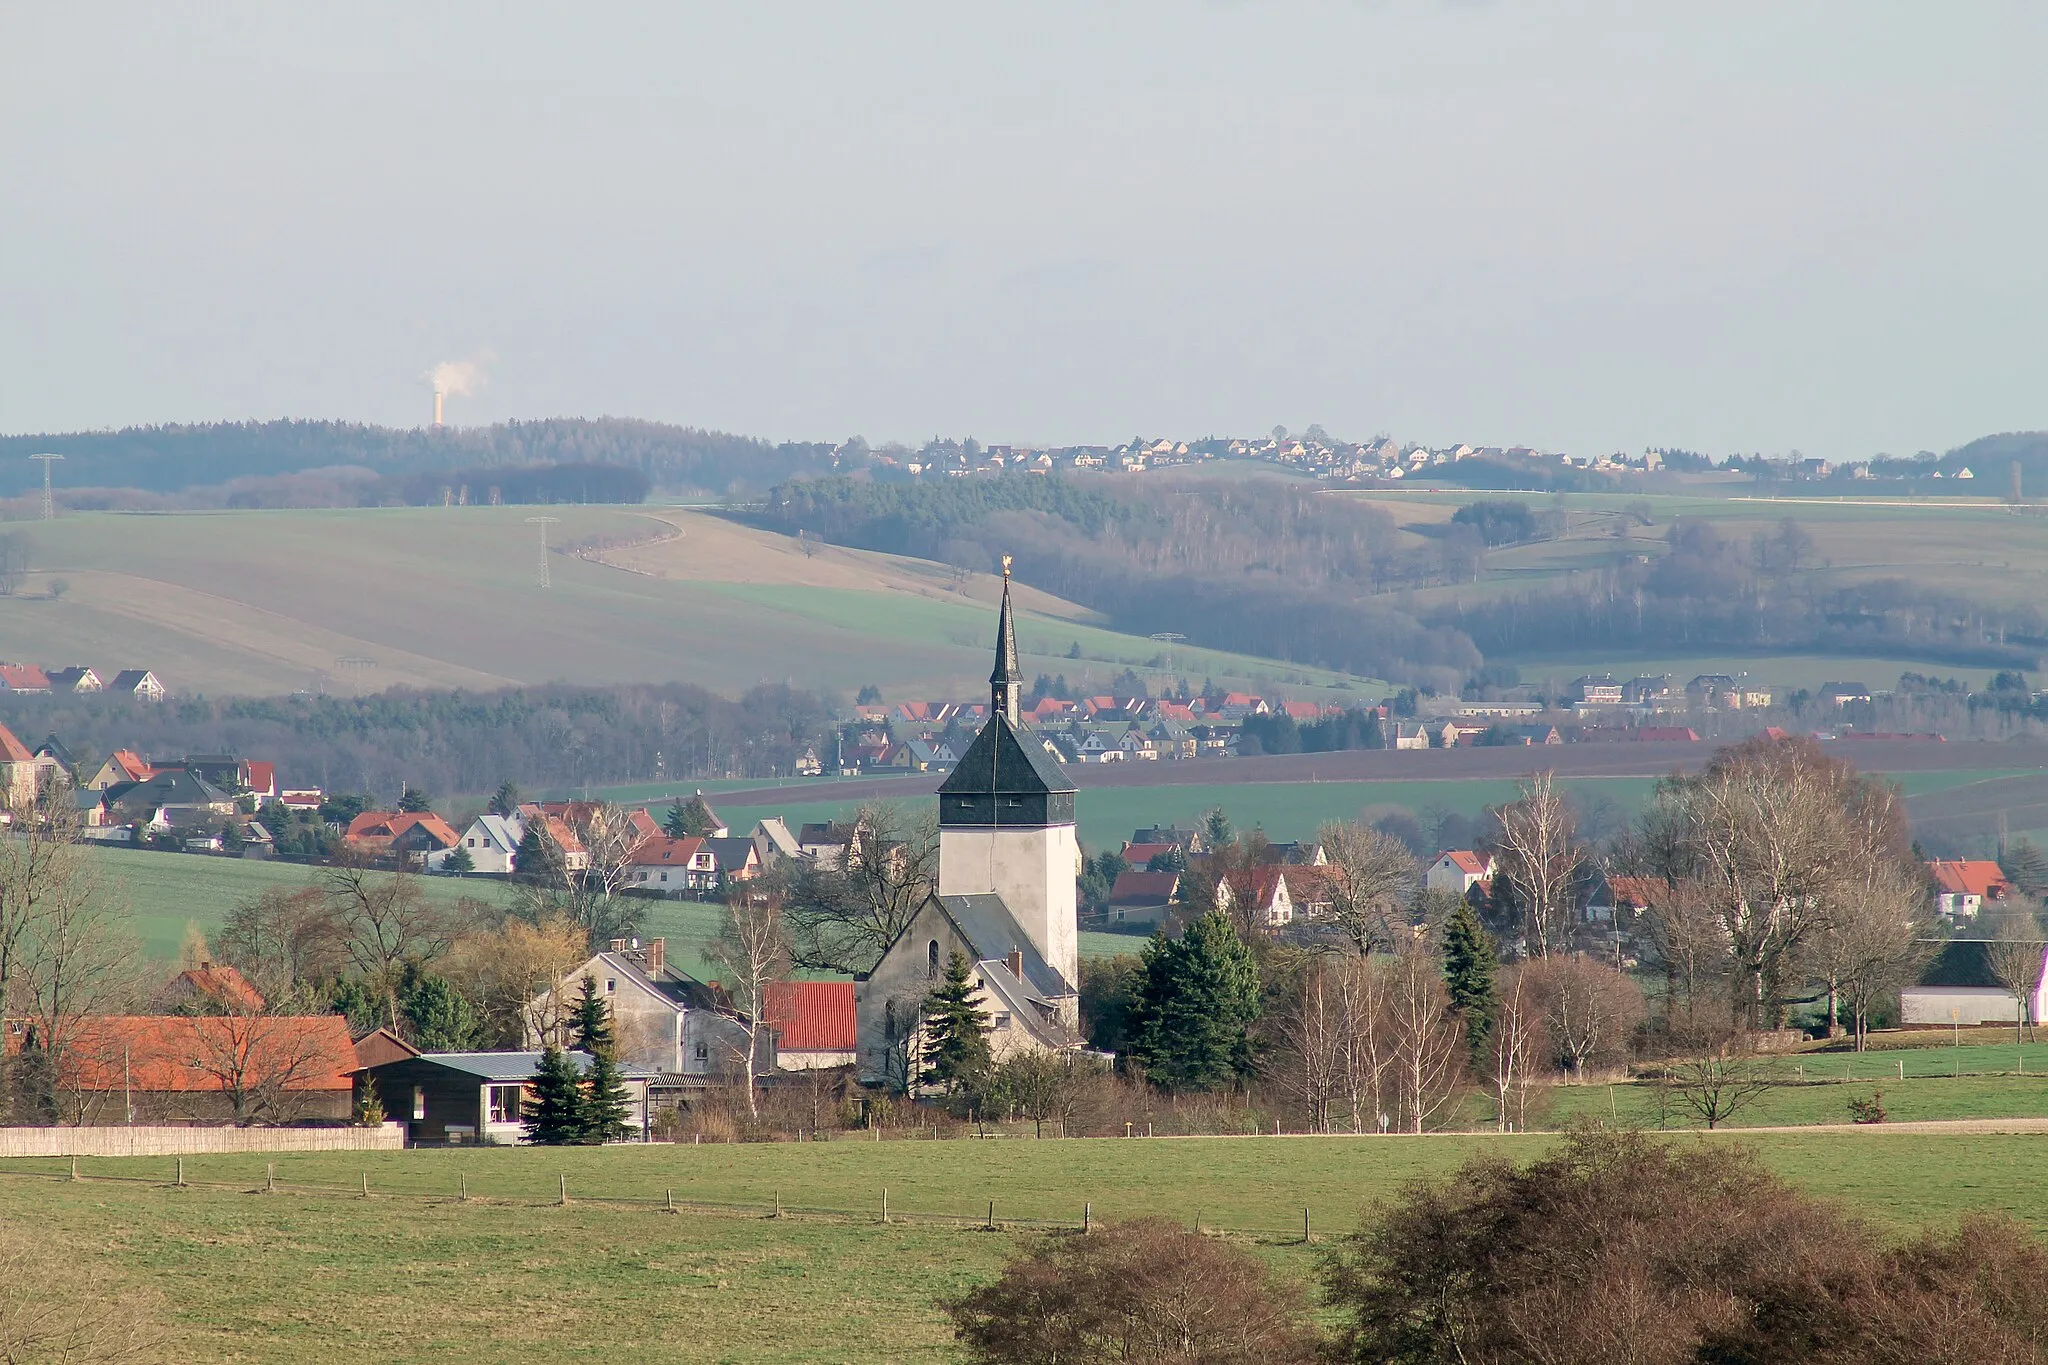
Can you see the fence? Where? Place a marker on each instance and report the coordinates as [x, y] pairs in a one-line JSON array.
[[190, 1141]]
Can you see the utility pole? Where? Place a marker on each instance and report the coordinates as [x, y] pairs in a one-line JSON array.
[[358, 665], [49, 503], [543, 523]]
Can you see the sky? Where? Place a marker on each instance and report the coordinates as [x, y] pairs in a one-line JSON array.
[[1765, 225]]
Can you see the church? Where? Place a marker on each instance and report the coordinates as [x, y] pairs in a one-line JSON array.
[[1008, 858]]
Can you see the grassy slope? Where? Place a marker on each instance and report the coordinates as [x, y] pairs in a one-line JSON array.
[[261, 602], [292, 1277]]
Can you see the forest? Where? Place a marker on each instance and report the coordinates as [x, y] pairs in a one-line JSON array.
[[445, 743]]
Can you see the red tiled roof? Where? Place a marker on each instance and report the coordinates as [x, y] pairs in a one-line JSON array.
[[1641, 892], [130, 762], [380, 827], [1262, 883], [13, 750], [225, 984], [178, 1054], [1466, 861], [263, 777], [662, 851], [1651, 733], [24, 677], [1143, 888], [1137, 855], [1969, 877], [812, 1016], [1301, 710]]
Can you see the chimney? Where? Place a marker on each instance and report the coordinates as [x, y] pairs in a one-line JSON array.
[[657, 955], [437, 407], [1015, 962], [618, 945]]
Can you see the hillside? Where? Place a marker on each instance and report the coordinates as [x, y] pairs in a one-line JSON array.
[[265, 602]]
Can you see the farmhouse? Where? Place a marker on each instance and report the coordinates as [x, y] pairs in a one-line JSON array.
[[1005, 899], [663, 1019], [1457, 870], [1963, 885]]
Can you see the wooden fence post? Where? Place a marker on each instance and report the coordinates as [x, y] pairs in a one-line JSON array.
[[885, 1204], [564, 1200], [270, 1177], [1087, 1217]]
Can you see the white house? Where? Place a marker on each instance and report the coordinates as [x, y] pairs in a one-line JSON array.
[[491, 840], [1457, 870]]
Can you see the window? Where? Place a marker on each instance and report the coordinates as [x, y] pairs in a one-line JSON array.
[[703, 1052], [504, 1101], [889, 1020], [419, 1104], [1002, 1021], [610, 984], [931, 958]]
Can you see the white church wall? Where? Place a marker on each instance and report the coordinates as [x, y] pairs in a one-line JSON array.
[[1033, 870]]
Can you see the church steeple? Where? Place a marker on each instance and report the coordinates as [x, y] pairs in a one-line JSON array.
[[1006, 683]]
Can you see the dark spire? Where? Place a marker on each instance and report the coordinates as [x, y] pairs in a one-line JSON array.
[[1006, 683]]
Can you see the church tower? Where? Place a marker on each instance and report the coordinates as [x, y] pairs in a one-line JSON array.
[[1006, 818]]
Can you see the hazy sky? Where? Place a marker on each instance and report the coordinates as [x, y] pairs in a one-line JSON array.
[[1589, 226]]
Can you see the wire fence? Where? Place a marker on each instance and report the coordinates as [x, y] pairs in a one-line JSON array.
[[881, 1212]]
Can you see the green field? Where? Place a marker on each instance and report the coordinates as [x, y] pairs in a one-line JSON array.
[[413, 1275], [265, 602]]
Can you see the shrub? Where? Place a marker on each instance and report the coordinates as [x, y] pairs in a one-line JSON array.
[[1140, 1293], [1868, 1111]]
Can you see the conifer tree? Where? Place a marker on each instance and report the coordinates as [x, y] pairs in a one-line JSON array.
[[369, 1110], [1197, 1000], [506, 800], [1468, 973], [554, 1113], [955, 1034], [538, 861], [593, 1020], [604, 1100], [458, 862]]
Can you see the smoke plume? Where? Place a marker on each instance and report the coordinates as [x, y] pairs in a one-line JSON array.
[[459, 378]]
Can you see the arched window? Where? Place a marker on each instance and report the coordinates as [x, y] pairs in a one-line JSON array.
[[931, 959], [889, 1021]]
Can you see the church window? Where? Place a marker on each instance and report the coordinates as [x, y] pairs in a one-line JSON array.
[[931, 958], [889, 1021]]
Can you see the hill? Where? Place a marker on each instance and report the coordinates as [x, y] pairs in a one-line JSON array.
[[266, 602]]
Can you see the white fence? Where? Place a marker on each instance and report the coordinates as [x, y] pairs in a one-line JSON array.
[[154, 1141]]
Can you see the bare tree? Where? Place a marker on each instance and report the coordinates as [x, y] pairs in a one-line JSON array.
[[1426, 1036], [1044, 1087], [1370, 878], [1870, 944], [752, 953], [2015, 957], [73, 960], [514, 974], [1364, 1038], [842, 916], [1515, 1047], [1717, 1083], [281, 938], [41, 865], [1589, 1008], [1538, 853], [382, 922], [1314, 1042], [1687, 937], [261, 1061]]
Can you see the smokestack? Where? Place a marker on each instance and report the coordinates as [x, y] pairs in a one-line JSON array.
[[437, 407]]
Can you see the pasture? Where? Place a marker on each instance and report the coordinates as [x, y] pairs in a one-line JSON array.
[[265, 602], [413, 1274]]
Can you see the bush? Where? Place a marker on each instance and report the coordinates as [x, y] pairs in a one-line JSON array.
[[1622, 1248], [1142, 1293], [1868, 1111]]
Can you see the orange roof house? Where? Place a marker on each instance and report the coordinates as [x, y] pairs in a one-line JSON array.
[[381, 831], [814, 1023], [1962, 885], [233, 1068], [219, 983]]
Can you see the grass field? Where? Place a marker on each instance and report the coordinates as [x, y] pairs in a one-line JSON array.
[[291, 1276], [266, 601]]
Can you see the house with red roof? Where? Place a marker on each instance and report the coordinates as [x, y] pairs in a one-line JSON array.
[[1458, 870], [663, 866], [122, 765], [239, 1067], [1138, 897], [1259, 893], [23, 678], [814, 1024], [1963, 885], [414, 838], [217, 986]]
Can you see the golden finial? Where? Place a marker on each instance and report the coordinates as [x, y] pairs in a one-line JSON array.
[[1006, 568]]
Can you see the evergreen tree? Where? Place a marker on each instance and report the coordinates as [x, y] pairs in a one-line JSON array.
[[691, 819], [458, 862], [1197, 1002], [415, 801], [554, 1112], [955, 1034], [506, 799], [593, 1020], [369, 1110], [2025, 867], [438, 1017], [604, 1101], [1216, 828], [1468, 972], [538, 861]]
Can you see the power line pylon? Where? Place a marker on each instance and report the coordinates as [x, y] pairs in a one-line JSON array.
[[49, 503], [543, 523], [358, 665]]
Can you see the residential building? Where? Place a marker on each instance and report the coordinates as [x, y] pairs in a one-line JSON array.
[[1410, 734], [1600, 689], [1964, 885], [137, 682], [1142, 898], [450, 1098], [663, 1019], [23, 678], [177, 1069], [816, 1024], [77, 678], [1841, 694], [150, 801], [673, 867], [1458, 870], [492, 840], [1263, 893]]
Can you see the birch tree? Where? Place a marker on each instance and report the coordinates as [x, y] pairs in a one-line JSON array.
[[1539, 855]]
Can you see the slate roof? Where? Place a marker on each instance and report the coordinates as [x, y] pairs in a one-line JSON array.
[[985, 922], [517, 1066], [171, 787], [1006, 758]]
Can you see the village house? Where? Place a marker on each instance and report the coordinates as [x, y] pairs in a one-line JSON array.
[[1964, 885], [1263, 893], [137, 682], [75, 679], [491, 842], [1140, 898], [663, 1019], [460, 1098], [815, 1024], [1457, 870], [673, 867]]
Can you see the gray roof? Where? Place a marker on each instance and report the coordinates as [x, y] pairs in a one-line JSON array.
[[1009, 759], [171, 787], [1018, 1001], [516, 1066], [989, 928]]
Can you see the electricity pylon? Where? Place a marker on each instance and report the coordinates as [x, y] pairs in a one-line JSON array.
[[49, 503], [543, 523]]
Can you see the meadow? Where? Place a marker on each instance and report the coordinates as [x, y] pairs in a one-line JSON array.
[[414, 1274], [266, 602]]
